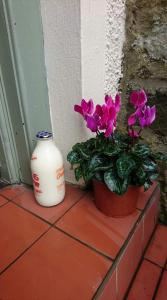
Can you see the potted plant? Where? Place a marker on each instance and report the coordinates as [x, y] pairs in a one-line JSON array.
[[118, 163]]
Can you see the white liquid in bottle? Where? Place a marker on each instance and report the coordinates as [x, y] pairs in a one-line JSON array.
[[47, 171]]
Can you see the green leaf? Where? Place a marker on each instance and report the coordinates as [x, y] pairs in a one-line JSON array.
[[81, 148], [153, 176], [141, 176], [73, 157], [159, 156], [125, 165], [99, 176], [141, 150], [112, 150], [78, 173], [123, 140], [147, 185], [114, 183], [99, 162], [91, 143], [86, 173], [149, 165]]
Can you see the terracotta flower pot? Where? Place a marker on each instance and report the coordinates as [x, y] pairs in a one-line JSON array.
[[112, 204]]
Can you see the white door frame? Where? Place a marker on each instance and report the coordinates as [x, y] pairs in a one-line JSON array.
[[25, 38]]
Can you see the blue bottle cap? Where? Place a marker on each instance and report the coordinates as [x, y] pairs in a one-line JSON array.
[[44, 135]]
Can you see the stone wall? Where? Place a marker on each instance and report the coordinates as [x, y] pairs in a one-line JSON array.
[[145, 66]]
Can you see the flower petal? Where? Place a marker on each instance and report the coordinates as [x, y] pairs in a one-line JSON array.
[[84, 106], [152, 114], [138, 98], [132, 119], [109, 129], [133, 133], [117, 102], [108, 100], [134, 96], [98, 110], [142, 122], [112, 114], [91, 123], [78, 109], [142, 98], [90, 107]]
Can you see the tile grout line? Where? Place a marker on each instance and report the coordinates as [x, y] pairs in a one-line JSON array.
[[140, 262], [54, 226], [9, 199], [153, 262], [32, 213], [66, 233], [124, 246], [113, 267], [70, 208], [2, 206], [36, 215], [36, 240], [23, 252], [83, 243], [159, 282]]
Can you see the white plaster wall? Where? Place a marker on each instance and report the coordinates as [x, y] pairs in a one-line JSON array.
[[83, 42], [93, 43], [61, 29], [115, 36]]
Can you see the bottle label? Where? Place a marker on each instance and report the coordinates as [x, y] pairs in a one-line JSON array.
[[60, 173], [33, 157], [60, 178], [36, 183]]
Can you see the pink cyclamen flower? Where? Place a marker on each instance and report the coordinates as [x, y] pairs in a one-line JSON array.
[[103, 117], [109, 129], [138, 98], [132, 119], [133, 133], [86, 107], [109, 114], [108, 100], [92, 123], [148, 116], [144, 115], [111, 103], [117, 103]]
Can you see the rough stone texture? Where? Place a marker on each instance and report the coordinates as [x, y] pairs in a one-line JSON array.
[[115, 36], [145, 66]]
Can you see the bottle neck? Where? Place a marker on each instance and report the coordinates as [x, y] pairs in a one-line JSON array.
[[43, 142]]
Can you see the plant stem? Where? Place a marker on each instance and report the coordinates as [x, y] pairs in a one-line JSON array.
[[139, 132]]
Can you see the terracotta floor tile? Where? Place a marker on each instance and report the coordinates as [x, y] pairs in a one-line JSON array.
[[145, 282], [56, 267], [162, 290], [157, 250], [2, 200], [18, 230], [150, 219], [85, 222], [145, 196], [109, 291], [50, 214], [129, 262], [11, 191]]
